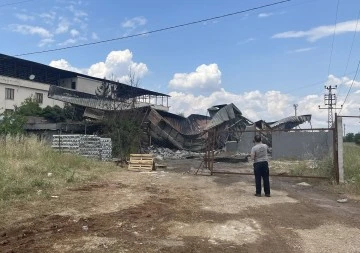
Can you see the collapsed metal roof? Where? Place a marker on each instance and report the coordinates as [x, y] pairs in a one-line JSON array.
[[290, 122]]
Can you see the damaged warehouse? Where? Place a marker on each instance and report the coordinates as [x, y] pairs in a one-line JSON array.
[[164, 129], [223, 127]]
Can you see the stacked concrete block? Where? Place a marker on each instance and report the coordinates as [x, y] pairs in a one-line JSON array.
[[106, 149], [90, 146], [66, 143]]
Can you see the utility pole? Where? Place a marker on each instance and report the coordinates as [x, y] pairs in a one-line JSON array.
[[344, 131], [330, 102], [295, 107]]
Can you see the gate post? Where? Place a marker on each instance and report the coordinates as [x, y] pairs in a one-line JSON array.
[[340, 149], [335, 149]]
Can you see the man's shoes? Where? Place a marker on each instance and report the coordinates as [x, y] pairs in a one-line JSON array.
[[258, 195], [267, 195]]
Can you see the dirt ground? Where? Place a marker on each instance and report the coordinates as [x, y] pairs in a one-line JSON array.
[[173, 210]]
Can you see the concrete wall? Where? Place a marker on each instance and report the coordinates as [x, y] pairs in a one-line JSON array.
[[22, 90], [289, 145], [301, 145], [87, 85]]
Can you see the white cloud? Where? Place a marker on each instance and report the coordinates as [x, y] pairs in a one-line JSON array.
[[117, 65], [265, 15], [205, 77], [48, 17], [248, 40], [320, 32], [133, 23], [301, 50], [63, 64], [24, 17], [74, 32], [77, 12], [333, 80], [94, 36], [32, 30], [63, 26], [45, 42], [269, 106], [71, 41]]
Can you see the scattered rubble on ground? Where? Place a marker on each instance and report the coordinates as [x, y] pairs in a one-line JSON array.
[[303, 184], [161, 153]]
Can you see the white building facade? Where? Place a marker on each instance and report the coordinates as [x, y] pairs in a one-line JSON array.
[[21, 79], [14, 91]]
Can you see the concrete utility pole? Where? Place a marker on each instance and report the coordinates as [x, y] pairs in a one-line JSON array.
[[344, 131], [295, 107], [330, 102]]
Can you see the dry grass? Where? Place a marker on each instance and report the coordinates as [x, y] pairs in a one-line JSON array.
[[352, 167], [315, 167], [30, 168]]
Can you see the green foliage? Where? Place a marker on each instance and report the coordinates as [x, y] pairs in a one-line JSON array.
[[352, 166], [125, 133], [30, 107], [25, 165], [357, 138], [12, 123], [54, 114], [349, 137], [73, 113]]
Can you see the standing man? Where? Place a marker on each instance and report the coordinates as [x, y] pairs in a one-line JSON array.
[[261, 166]]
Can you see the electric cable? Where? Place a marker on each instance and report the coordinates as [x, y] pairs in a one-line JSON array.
[[156, 30]]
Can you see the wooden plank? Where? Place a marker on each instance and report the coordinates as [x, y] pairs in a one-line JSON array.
[[141, 155], [141, 162]]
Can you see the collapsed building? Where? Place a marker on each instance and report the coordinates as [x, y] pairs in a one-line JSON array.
[[224, 123], [224, 126]]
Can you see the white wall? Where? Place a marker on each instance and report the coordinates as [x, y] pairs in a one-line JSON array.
[[22, 90], [87, 85]]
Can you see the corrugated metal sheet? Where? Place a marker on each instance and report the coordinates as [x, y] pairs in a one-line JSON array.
[[290, 122]]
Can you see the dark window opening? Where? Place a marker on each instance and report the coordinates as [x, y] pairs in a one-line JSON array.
[[73, 85], [9, 111], [9, 93], [39, 97]]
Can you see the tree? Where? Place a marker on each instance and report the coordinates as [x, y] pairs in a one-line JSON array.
[[12, 123], [30, 107], [104, 90], [349, 137], [134, 79], [54, 114], [357, 138]]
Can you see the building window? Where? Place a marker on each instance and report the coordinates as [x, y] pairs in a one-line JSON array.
[[9, 94], [9, 111], [73, 85], [39, 98]]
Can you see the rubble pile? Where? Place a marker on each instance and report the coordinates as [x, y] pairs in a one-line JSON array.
[[161, 153]]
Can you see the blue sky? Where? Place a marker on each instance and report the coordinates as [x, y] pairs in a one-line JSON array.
[[263, 61]]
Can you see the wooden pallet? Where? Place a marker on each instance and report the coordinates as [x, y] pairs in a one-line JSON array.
[[141, 162]]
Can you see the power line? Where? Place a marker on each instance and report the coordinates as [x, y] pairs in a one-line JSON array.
[[333, 38], [351, 48], [314, 83], [352, 83], [157, 30], [21, 2]]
